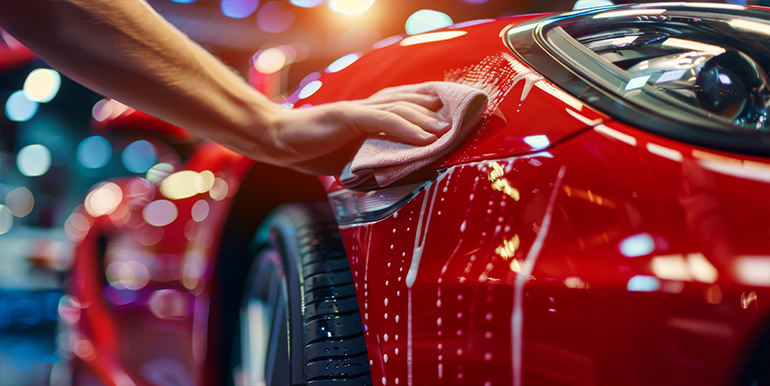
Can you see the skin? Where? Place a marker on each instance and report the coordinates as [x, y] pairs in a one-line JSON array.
[[124, 50]]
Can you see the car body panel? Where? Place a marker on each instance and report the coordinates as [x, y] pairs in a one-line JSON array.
[[587, 316]]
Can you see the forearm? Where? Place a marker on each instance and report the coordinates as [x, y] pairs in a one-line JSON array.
[[123, 50]]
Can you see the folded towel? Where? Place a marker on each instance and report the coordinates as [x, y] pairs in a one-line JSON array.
[[388, 160]]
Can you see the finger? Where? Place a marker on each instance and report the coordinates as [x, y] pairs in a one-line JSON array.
[[418, 108], [376, 121], [431, 102], [412, 113]]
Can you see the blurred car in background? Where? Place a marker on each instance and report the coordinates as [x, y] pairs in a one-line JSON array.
[[606, 223]]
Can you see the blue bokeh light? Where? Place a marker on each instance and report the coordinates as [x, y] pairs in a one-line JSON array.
[[139, 156], [637, 245], [94, 152], [20, 109], [238, 9], [643, 283]]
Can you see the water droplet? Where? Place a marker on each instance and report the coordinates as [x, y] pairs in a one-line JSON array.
[[385, 337], [385, 358], [386, 301], [396, 318]]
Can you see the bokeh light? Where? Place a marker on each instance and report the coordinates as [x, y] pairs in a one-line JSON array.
[[186, 183], [42, 85], [200, 210], [131, 275], [219, 190], [169, 304], [107, 108], [139, 156], [270, 60], [104, 199], [33, 160], [160, 213], [6, 220], [350, 7], [343, 62], [19, 108], [76, 227], [310, 89], [274, 17], [139, 192], [184, 1], [426, 20], [306, 3], [238, 9], [158, 172], [20, 202], [94, 152]]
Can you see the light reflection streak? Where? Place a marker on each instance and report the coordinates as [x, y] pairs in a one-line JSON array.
[[431, 37], [748, 25], [589, 196], [664, 152], [517, 316], [612, 133], [631, 12]]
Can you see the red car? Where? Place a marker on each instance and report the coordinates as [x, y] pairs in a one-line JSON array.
[[607, 222]]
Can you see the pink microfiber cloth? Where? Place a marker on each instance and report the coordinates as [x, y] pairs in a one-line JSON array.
[[389, 161]]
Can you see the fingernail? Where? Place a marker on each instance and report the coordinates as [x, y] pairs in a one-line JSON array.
[[426, 135], [441, 125]]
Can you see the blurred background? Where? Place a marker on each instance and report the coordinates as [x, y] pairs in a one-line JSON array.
[[52, 150]]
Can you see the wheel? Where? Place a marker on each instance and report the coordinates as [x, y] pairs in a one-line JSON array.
[[299, 321]]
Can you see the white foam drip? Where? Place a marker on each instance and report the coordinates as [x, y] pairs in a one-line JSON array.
[[517, 317], [411, 276], [530, 78], [422, 234]]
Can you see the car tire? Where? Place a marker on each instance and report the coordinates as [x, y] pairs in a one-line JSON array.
[[299, 322]]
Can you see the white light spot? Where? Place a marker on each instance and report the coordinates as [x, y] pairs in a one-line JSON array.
[[33, 160], [160, 213]]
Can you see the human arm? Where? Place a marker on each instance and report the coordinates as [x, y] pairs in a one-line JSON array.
[[124, 50]]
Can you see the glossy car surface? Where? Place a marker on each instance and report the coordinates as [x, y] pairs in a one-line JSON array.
[[557, 244]]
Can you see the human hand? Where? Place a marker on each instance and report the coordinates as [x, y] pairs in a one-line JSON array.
[[321, 140]]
